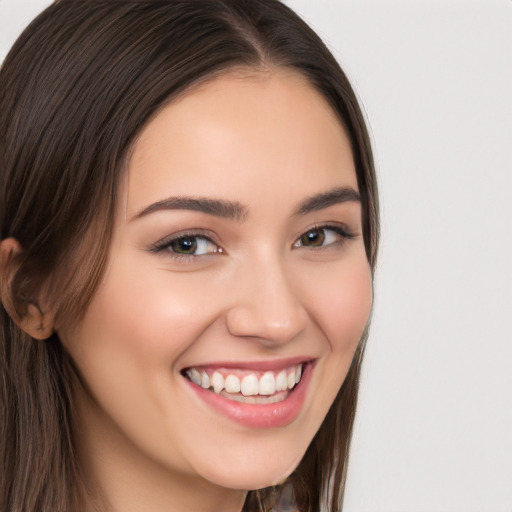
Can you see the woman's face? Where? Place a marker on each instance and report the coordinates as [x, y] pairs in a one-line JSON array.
[[237, 261]]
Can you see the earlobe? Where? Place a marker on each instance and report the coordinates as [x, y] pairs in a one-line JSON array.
[[26, 313], [37, 323]]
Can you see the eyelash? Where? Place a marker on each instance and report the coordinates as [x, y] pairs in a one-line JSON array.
[[167, 243]]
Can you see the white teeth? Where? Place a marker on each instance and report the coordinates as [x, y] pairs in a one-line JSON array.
[[298, 374], [281, 381], [249, 385], [194, 376], [232, 384], [291, 380], [205, 380], [217, 382], [267, 384]]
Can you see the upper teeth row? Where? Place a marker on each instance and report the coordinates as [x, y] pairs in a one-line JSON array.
[[268, 384]]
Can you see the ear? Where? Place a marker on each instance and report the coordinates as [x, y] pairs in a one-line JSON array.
[[26, 313]]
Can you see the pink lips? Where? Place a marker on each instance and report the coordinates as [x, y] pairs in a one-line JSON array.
[[271, 415]]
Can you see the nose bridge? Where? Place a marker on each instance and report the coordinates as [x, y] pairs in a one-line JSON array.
[[265, 304]]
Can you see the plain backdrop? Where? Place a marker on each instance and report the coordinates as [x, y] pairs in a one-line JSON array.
[[434, 427]]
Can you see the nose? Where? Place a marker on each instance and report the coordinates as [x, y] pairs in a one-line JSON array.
[[265, 306]]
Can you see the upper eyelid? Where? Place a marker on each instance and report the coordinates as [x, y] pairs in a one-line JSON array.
[[200, 233], [334, 226]]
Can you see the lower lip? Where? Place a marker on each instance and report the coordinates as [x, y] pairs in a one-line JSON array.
[[273, 415]]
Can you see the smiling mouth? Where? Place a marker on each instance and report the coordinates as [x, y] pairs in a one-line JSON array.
[[250, 387]]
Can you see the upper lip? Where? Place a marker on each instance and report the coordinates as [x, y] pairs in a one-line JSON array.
[[263, 365]]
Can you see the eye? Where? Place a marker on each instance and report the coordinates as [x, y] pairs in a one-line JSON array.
[[196, 245], [322, 237], [187, 245]]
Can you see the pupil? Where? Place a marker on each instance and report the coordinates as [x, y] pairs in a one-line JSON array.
[[185, 245], [313, 238]]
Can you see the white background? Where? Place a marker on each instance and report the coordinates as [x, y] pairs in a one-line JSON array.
[[434, 429]]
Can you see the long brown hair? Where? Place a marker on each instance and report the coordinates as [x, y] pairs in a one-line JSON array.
[[75, 90]]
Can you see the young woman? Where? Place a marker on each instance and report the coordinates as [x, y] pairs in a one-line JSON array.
[[188, 221]]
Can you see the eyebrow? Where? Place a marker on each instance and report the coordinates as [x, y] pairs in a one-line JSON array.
[[235, 210], [326, 199], [217, 207]]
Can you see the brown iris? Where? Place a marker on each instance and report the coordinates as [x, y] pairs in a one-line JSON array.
[[185, 245], [313, 238]]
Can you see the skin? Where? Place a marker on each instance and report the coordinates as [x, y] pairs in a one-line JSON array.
[[268, 141]]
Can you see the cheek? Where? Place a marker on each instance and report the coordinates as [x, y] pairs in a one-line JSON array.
[[344, 305], [151, 315], [341, 310], [135, 329]]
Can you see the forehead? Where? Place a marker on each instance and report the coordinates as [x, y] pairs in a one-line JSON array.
[[239, 132]]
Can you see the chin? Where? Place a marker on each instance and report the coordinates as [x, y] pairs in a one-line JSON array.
[[249, 474]]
